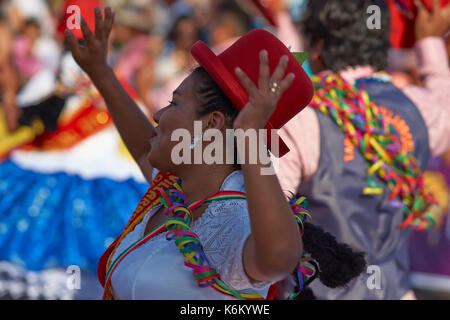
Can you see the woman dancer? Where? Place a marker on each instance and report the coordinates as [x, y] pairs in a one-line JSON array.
[[244, 236]]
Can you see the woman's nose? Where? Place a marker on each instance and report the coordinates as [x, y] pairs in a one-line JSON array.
[[157, 115]]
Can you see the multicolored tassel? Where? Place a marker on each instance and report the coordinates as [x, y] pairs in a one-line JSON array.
[[364, 125]]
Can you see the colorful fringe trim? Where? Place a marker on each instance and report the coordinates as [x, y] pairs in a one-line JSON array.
[[363, 124], [179, 229]]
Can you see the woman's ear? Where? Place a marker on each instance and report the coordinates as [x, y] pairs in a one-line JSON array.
[[315, 56], [216, 120], [315, 48]]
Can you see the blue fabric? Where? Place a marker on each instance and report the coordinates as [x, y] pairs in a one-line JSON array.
[[307, 68], [57, 220]]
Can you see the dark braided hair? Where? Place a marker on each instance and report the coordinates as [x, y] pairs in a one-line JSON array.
[[342, 25], [211, 97], [335, 263]]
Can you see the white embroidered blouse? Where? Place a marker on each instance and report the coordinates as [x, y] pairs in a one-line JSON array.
[[156, 269]]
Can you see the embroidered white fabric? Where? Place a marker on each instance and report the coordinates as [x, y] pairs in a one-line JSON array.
[[156, 269]]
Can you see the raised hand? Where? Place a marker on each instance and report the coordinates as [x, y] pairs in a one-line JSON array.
[[264, 98], [434, 24], [92, 56]]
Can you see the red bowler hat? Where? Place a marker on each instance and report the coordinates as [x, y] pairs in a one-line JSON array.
[[403, 16], [244, 53], [86, 9]]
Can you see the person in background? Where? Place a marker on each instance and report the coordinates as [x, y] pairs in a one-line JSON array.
[[402, 56], [168, 11], [24, 56], [234, 255], [135, 46], [174, 61], [8, 77], [328, 167], [36, 57], [228, 22], [176, 58], [136, 131], [38, 10]]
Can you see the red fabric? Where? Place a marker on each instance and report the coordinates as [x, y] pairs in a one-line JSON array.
[[402, 33], [162, 179], [101, 269], [244, 53], [87, 12], [272, 291]]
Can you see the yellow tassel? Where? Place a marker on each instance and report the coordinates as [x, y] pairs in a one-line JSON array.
[[372, 191], [375, 167]]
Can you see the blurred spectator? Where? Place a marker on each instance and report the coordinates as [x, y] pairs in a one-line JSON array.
[[36, 59], [228, 22], [167, 12], [131, 39], [135, 46], [160, 76], [24, 10], [339, 42], [24, 56], [176, 57], [8, 77]]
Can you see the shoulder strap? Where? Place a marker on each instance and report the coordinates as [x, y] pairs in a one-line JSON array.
[[148, 201]]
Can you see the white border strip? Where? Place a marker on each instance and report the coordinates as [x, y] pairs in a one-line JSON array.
[[429, 281]]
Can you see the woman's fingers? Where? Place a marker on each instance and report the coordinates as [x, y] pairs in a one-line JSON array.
[[264, 71], [422, 12], [73, 44], [99, 26], [109, 21], [436, 7], [87, 34], [280, 69], [286, 83], [246, 82], [276, 85]]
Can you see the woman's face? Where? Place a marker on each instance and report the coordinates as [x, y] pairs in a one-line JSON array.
[[179, 114]]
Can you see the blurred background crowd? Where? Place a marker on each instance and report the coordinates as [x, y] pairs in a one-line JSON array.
[[67, 183], [150, 43]]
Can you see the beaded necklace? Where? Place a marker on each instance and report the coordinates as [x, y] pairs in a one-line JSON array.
[[362, 122]]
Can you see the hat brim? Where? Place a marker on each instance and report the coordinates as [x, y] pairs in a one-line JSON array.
[[231, 87]]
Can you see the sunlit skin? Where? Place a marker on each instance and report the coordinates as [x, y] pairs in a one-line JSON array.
[[274, 247]]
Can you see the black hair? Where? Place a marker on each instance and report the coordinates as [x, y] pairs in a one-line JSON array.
[[336, 264], [348, 41], [211, 96], [173, 32], [32, 22]]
